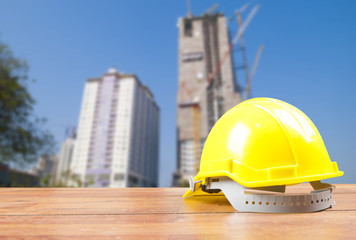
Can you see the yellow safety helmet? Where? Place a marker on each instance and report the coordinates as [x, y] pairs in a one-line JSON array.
[[265, 144]]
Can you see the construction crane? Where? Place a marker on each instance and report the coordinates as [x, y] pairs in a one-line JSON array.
[[242, 42], [248, 76], [211, 9], [195, 102], [69, 130], [247, 92]]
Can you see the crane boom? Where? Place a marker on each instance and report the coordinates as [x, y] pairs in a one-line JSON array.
[[247, 92], [211, 9], [242, 43]]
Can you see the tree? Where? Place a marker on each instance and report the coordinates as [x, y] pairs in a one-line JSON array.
[[22, 137], [67, 179]]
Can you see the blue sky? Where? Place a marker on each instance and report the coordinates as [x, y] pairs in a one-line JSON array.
[[308, 61]]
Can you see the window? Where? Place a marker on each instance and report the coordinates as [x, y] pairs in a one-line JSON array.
[[188, 28], [119, 177]]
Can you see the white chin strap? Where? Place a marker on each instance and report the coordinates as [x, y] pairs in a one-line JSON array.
[[242, 201]]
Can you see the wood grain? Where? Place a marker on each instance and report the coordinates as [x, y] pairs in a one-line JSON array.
[[161, 213]]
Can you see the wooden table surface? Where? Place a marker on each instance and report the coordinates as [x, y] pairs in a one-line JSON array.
[[161, 213]]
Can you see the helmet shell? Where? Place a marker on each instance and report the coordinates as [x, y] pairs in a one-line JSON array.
[[266, 142]]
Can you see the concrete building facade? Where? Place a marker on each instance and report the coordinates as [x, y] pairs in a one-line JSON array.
[[64, 160], [203, 42], [45, 168], [118, 133]]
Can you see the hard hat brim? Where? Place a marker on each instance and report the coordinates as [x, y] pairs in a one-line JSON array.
[[290, 181]]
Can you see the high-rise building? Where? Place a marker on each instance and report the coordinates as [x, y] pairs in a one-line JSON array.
[[204, 93], [45, 168], [64, 160], [118, 133]]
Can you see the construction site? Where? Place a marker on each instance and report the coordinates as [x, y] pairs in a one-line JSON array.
[[207, 78]]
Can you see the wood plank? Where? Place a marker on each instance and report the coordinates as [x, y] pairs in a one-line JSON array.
[[55, 201], [321, 225], [161, 213], [136, 192]]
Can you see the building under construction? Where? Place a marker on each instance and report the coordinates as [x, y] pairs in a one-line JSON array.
[[207, 88]]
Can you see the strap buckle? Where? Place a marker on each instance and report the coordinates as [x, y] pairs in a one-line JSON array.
[[193, 183]]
